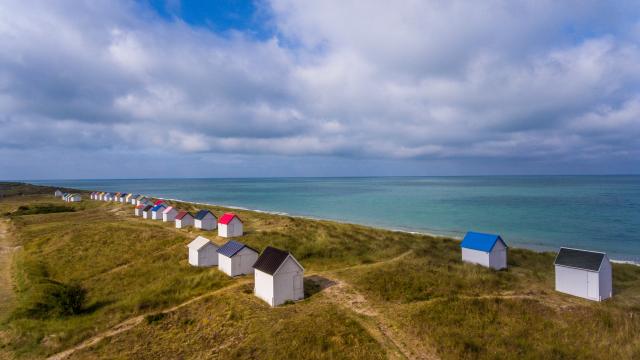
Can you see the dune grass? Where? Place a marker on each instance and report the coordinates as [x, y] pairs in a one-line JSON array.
[[236, 325], [129, 266]]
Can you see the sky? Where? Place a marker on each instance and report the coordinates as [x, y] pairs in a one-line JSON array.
[[267, 88]]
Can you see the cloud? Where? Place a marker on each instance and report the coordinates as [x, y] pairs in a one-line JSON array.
[[495, 81]]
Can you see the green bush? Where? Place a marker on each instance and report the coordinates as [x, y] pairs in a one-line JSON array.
[[50, 298]]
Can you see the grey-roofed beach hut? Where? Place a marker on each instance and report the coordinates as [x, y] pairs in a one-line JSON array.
[[278, 277], [235, 258], [205, 220], [584, 273], [202, 252], [146, 212]]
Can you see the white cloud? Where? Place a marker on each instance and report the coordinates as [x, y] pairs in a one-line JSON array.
[[378, 80]]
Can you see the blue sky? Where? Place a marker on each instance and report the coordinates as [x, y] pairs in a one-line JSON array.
[[122, 89]]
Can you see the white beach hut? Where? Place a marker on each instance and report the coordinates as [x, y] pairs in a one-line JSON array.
[[583, 273], [205, 220], [236, 258], [484, 249], [100, 195], [107, 197], [137, 211], [57, 193], [202, 252], [169, 214], [278, 277], [74, 198], [156, 211], [184, 219], [229, 225], [146, 211], [123, 198]]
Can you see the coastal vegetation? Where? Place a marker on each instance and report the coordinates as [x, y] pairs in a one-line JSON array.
[[97, 272]]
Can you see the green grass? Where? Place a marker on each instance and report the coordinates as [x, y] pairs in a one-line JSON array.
[[416, 284]]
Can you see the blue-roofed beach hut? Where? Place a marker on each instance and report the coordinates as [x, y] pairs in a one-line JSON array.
[[484, 249], [156, 211], [235, 258]]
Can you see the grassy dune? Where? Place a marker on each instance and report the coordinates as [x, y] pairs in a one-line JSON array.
[[372, 294]]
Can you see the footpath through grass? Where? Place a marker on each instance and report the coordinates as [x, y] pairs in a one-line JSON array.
[[129, 266]]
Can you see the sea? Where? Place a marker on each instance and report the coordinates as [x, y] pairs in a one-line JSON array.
[[543, 213]]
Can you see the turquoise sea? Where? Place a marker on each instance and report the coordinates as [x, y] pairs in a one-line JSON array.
[[538, 212]]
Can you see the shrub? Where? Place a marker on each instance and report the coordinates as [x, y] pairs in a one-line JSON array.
[[50, 298]]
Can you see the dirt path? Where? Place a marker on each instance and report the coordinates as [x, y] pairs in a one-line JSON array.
[[7, 249], [397, 344], [134, 321], [7, 296]]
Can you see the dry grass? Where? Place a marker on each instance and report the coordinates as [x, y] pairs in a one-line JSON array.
[[134, 267]]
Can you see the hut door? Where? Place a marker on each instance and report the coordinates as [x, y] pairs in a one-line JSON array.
[[296, 282], [592, 285]]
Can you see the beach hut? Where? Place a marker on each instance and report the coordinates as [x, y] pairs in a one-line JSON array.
[[64, 196], [94, 195], [123, 198], [278, 277], [145, 201], [107, 197], [137, 211], [146, 211], [236, 258], [158, 202], [134, 199], [583, 273], [169, 214], [229, 225], [184, 219], [100, 195], [57, 193], [156, 211], [202, 252], [205, 220], [74, 198], [484, 249], [116, 197]]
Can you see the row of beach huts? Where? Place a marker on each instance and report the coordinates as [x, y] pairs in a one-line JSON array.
[[279, 276]]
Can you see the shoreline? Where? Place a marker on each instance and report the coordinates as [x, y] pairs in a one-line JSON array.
[[540, 249]]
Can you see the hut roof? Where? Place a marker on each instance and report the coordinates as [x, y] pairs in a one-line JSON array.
[[227, 217], [199, 242], [233, 247], [182, 214], [580, 259], [202, 213], [270, 260], [168, 210], [158, 207], [480, 241]]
